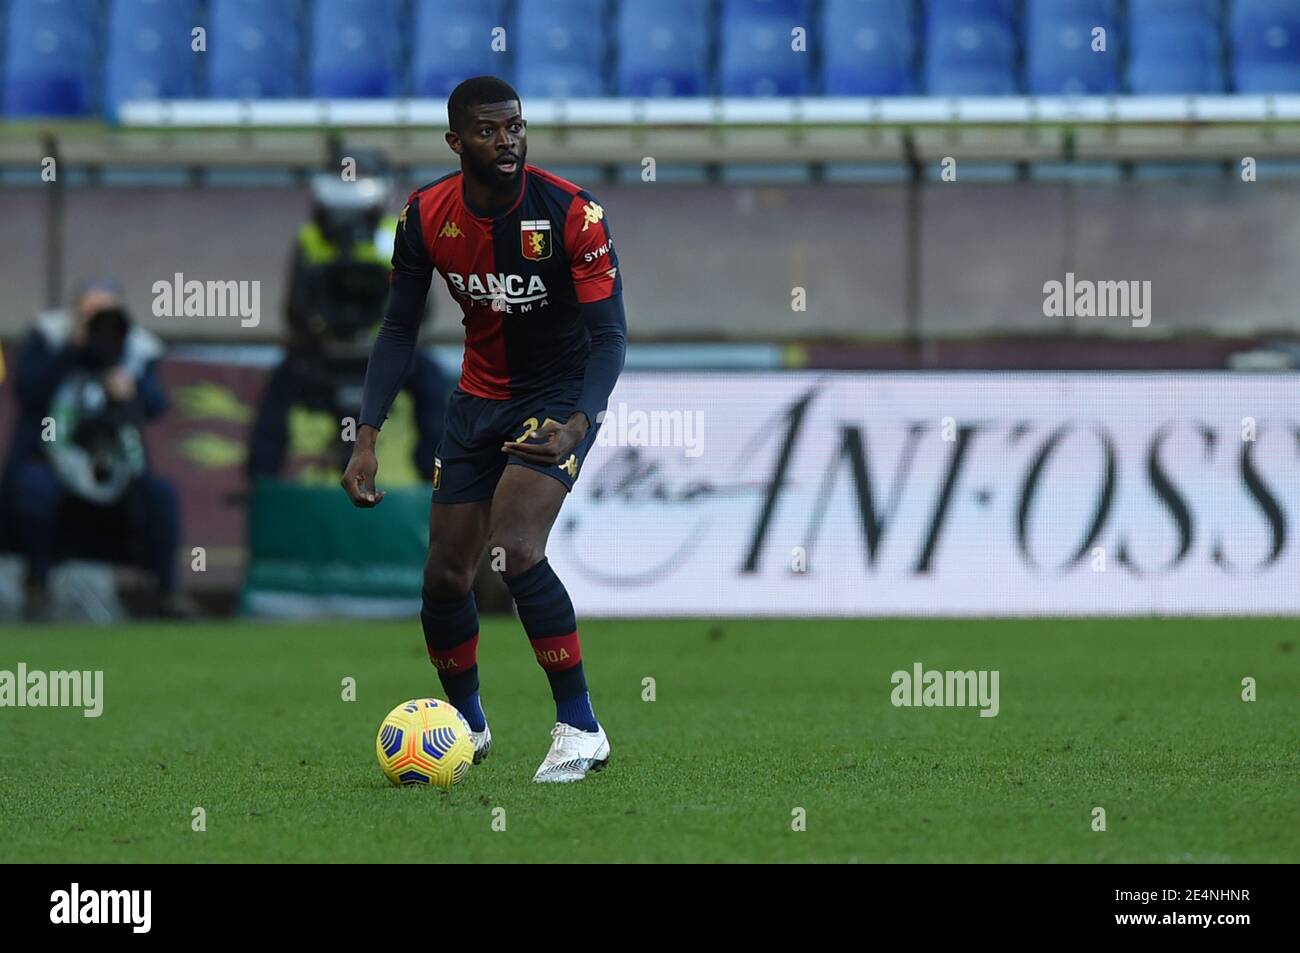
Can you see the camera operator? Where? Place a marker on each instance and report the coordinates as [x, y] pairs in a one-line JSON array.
[[338, 286], [77, 483]]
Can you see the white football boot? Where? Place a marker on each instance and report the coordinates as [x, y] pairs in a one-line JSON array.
[[573, 753], [482, 741]]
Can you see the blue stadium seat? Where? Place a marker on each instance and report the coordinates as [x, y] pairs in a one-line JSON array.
[[756, 58], [1059, 58], [1266, 46], [356, 48], [560, 48], [1175, 47], [663, 49], [561, 31], [49, 65], [868, 49], [970, 57], [253, 49], [453, 41], [149, 55], [1175, 56]]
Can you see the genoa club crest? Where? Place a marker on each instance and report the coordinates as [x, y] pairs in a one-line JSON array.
[[535, 239]]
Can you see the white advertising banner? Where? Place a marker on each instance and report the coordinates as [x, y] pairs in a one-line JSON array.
[[848, 493]]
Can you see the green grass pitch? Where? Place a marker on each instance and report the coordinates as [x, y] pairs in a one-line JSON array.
[[751, 721]]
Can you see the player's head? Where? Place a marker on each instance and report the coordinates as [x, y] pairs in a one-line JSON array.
[[487, 130]]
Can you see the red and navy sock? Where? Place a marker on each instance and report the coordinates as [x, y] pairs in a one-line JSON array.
[[451, 635], [547, 615]]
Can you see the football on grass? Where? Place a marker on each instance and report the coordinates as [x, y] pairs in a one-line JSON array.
[[424, 741]]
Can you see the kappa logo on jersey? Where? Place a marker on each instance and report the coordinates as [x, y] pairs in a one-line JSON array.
[[401, 219], [449, 229], [535, 239], [570, 466], [437, 472], [591, 214]]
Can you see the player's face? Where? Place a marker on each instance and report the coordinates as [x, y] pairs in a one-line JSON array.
[[494, 144]]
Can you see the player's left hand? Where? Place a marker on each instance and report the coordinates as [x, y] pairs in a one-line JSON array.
[[551, 444]]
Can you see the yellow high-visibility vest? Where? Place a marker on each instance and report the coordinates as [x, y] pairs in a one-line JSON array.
[[318, 250]]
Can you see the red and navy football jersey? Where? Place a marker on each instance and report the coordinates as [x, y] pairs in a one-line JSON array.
[[519, 276]]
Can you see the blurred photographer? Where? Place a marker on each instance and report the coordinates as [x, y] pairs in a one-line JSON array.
[[77, 483], [338, 286]]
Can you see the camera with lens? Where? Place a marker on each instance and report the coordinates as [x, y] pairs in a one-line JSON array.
[[105, 449]]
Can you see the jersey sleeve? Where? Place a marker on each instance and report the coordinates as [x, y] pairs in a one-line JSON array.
[[410, 253], [590, 248]]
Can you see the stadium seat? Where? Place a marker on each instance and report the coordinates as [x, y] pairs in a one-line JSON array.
[[970, 57], [562, 31], [149, 55], [253, 49], [453, 40], [49, 67], [663, 50], [756, 57], [1176, 56], [560, 48], [868, 49], [356, 48], [1059, 58], [1266, 46]]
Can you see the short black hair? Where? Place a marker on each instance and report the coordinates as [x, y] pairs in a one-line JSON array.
[[476, 91]]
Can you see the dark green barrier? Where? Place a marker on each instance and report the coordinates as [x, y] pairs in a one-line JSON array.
[[310, 541]]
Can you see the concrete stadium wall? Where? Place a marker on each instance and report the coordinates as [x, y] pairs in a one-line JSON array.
[[720, 261]]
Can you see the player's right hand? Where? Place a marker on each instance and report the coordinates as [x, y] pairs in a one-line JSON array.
[[359, 478]]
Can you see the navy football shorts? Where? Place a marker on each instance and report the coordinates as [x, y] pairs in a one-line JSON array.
[[469, 461]]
